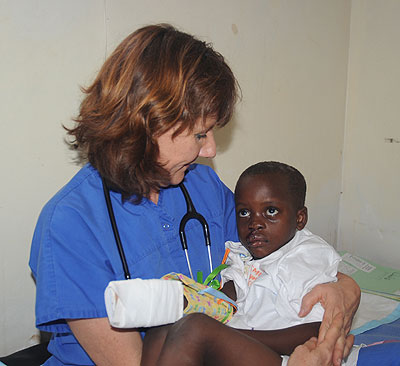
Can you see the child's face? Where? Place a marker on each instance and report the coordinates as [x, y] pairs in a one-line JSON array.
[[266, 217]]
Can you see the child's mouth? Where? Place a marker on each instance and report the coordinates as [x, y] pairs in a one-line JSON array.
[[256, 240]]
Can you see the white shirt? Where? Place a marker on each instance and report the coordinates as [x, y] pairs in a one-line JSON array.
[[269, 290]]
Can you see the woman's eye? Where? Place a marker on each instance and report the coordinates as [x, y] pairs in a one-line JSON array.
[[200, 136], [243, 213], [271, 211]]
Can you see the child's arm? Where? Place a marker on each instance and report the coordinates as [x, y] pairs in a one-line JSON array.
[[229, 290], [284, 341], [198, 339]]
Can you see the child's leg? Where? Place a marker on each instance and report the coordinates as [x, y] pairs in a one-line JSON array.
[[200, 340], [152, 344]]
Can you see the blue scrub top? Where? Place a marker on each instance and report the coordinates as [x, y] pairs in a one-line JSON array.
[[74, 255]]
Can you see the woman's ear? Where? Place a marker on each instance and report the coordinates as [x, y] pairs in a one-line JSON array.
[[301, 218]]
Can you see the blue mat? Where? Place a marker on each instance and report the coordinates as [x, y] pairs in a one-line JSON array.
[[384, 332], [385, 354]]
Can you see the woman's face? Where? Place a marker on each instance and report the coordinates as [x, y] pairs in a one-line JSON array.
[[176, 154]]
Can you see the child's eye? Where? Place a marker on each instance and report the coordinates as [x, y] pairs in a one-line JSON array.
[[271, 211], [243, 213]]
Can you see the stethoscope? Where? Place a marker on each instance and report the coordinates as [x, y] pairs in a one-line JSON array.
[[191, 214]]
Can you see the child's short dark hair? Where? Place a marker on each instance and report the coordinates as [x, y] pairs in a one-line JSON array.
[[296, 182]]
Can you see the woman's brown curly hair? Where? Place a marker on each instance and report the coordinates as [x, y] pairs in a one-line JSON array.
[[156, 79]]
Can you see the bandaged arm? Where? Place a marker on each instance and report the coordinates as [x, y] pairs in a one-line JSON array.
[[140, 303], [146, 303]]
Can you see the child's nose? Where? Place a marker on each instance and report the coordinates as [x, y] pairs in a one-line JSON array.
[[256, 222]]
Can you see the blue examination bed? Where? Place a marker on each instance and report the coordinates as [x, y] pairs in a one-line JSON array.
[[382, 340]]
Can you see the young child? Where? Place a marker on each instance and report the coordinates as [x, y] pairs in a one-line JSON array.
[[275, 264], [277, 261]]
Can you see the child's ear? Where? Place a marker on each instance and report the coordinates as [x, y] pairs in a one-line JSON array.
[[301, 218]]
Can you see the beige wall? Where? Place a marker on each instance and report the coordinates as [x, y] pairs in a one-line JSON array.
[[47, 49], [370, 208], [291, 60]]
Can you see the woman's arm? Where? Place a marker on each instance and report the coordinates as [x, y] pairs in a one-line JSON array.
[[340, 299], [105, 345]]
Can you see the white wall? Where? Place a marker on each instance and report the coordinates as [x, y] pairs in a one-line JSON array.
[[370, 210], [290, 57], [47, 48], [291, 62]]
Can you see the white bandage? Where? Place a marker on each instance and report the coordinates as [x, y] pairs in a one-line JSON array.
[[143, 303]]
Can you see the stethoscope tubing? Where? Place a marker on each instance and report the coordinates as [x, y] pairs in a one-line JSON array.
[[114, 226], [191, 214]]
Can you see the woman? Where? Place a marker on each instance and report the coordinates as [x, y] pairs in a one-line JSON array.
[[145, 119]]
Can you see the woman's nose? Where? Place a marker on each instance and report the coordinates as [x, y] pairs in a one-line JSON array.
[[209, 148]]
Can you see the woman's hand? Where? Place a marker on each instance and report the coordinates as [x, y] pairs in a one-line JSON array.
[[339, 299], [315, 353]]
